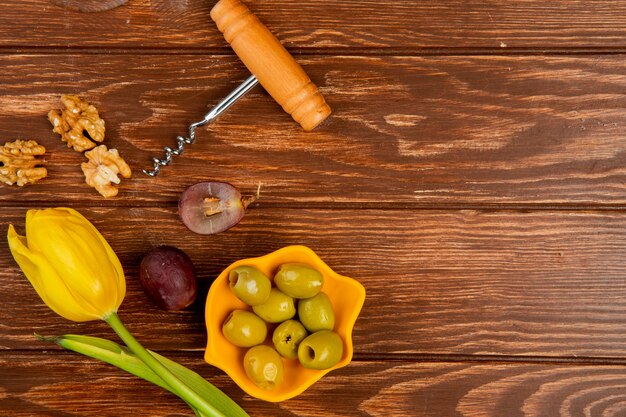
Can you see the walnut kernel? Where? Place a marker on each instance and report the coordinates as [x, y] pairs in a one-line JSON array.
[[19, 162], [78, 118], [101, 172]]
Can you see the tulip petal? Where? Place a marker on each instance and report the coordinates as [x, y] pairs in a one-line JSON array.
[[45, 280], [119, 271], [67, 253], [112, 257], [75, 248]]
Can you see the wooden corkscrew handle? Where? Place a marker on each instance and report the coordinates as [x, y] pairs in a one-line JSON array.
[[267, 59]]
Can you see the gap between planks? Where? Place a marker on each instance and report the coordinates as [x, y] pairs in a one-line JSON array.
[[400, 357], [338, 206], [312, 52]]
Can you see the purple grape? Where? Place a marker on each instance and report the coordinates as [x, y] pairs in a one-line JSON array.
[[211, 207], [167, 276]]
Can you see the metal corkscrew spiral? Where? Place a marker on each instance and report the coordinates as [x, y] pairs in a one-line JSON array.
[[220, 108]]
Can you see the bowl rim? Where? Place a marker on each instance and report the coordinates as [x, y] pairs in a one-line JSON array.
[[351, 317]]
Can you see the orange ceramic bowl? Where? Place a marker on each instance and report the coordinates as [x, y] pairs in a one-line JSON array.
[[346, 294]]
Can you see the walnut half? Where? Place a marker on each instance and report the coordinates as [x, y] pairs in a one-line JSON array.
[[78, 124], [101, 172], [19, 162]]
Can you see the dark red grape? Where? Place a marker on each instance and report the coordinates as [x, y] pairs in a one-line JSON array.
[[211, 207], [167, 275]]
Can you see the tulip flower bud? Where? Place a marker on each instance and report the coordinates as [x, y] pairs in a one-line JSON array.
[[70, 265]]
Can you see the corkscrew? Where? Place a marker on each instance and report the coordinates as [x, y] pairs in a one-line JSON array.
[[272, 67], [181, 141]]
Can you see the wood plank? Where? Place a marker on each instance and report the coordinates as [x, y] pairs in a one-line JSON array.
[[65, 385], [438, 282], [410, 130], [323, 24]]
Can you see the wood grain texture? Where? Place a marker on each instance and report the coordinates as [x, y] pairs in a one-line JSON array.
[[410, 130], [88, 6], [66, 386], [472, 178], [325, 24], [499, 283]]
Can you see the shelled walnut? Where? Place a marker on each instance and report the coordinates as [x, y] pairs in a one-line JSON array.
[[79, 124], [101, 172], [19, 162]]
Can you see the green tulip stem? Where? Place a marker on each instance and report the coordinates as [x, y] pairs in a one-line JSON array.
[[181, 389]]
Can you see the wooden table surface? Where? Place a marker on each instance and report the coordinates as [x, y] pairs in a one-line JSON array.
[[472, 178]]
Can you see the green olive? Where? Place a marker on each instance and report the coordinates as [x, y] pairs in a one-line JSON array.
[[244, 329], [321, 350], [278, 307], [264, 366], [298, 280], [316, 313], [287, 337], [250, 285]]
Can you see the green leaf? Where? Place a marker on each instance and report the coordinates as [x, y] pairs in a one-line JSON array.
[[203, 387], [120, 356]]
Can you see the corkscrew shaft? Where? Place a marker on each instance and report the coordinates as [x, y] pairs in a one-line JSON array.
[[182, 141]]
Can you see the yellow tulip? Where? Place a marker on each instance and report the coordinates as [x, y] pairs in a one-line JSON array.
[[70, 265], [77, 274]]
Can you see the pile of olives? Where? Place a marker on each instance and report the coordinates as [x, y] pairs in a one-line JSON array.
[[310, 338]]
